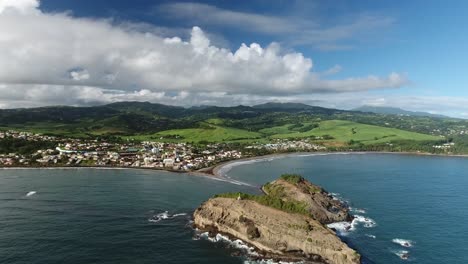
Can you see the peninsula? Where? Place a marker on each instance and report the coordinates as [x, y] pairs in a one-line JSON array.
[[286, 223]]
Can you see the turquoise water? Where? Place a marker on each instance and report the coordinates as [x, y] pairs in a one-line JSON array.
[[102, 216]]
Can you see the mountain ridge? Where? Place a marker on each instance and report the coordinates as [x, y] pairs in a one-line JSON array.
[[394, 111]]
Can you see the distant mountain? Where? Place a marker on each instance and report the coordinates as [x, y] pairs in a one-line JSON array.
[[130, 118], [393, 111], [289, 106]]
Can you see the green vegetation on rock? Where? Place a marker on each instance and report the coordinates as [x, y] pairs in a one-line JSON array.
[[292, 178], [271, 201]]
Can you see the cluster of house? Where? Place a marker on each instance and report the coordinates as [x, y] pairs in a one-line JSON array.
[[444, 146], [12, 159], [169, 156], [288, 145], [26, 136]]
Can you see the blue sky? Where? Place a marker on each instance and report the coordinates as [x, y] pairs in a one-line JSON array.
[[409, 54]]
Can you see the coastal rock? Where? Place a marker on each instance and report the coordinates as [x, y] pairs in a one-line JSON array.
[[318, 202], [282, 231]]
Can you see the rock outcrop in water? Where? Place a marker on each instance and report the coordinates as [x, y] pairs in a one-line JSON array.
[[287, 223]]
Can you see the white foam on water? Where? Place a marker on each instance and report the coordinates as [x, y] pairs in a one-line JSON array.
[[366, 221], [341, 227], [181, 214], [163, 216], [344, 227], [403, 254], [403, 242], [268, 261], [369, 235], [241, 245], [31, 193], [357, 210], [238, 244]]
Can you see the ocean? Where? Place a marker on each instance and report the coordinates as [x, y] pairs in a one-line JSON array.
[[409, 204]]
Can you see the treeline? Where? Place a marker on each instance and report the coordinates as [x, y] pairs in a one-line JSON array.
[[22, 146], [394, 146]]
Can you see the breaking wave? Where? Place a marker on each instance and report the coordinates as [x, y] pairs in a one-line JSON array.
[[357, 210], [237, 244], [163, 216], [268, 261], [31, 193], [345, 227], [241, 246], [403, 242], [403, 254]]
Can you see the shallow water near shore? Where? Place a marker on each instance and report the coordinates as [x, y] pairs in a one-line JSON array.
[[404, 203]]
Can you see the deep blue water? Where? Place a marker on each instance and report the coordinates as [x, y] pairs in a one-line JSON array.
[[419, 198], [101, 216]]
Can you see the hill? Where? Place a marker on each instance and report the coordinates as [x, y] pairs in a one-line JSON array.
[[265, 122], [344, 131]]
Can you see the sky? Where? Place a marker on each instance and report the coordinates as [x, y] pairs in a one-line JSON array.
[[338, 53]]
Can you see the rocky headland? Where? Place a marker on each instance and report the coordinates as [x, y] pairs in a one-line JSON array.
[[287, 223]]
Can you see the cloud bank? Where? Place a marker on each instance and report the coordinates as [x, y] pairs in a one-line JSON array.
[[55, 58]]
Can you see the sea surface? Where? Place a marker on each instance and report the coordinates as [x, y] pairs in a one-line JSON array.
[[417, 204]]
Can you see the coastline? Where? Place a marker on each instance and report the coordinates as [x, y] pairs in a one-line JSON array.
[[222, 168], [218, 171]]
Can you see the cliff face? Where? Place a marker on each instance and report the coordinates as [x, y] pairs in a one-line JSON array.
[[318, 202], [285, 224], [277, 234]]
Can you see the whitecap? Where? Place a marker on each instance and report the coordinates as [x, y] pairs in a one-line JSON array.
[[403, 242], [269, 261], [181, 214], [240, 245], [344, 227], [369, 235], [357, 210], [163, 216], [31, 193], [366, 221], [403, 254]]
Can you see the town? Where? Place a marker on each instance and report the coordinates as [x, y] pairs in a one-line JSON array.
[[71, 152]]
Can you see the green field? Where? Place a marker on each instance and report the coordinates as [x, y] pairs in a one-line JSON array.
[[340, 131], [209, 133], [288, 128], [344, 131]]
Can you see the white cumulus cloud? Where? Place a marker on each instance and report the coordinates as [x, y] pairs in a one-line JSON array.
[[21, 6], [99, 61]]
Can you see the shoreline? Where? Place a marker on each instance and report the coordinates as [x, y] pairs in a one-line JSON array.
[[218, 171]]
